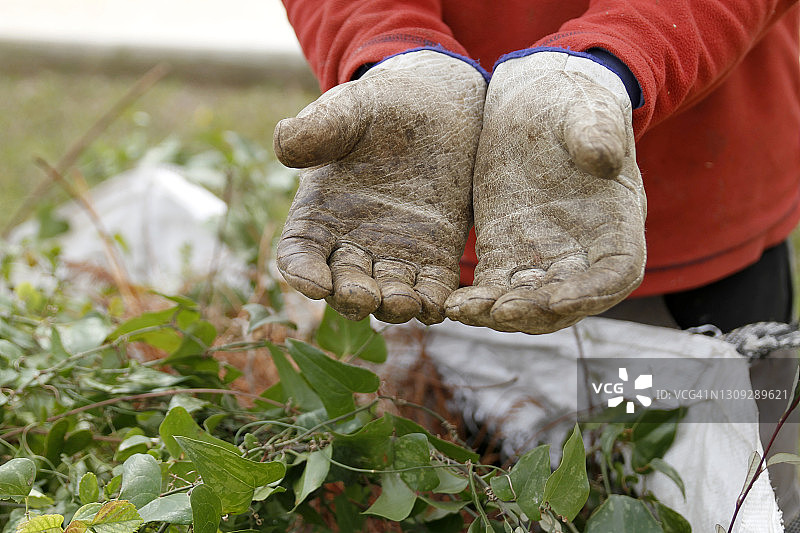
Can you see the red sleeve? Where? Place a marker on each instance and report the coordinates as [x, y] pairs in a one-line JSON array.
[[338, 36], [679, 50]]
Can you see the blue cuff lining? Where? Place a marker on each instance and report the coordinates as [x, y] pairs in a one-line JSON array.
[[443, 50], [599, 56], [615, 64]]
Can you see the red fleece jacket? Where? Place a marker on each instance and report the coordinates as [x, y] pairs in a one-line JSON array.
[[718, 136]]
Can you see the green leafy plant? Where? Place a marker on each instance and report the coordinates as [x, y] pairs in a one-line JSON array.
[[119, 415], [104, 442]]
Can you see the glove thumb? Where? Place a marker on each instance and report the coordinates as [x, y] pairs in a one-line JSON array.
[[326, 130], [596, 137]]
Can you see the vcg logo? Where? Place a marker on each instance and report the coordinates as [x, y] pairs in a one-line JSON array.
[[644, 381]]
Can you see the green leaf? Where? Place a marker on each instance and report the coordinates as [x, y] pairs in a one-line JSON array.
[[795, 390], [46, 523], [132, 445], [396, 500], [260, 315], [348, 517], [784, 457], [550, 524], [54, 442], [622, 514], [293, 385], [87, 512], [179, 422], [653, 434], [159, 332], [16, 479], [206, 509], [82, 335], [262, 493], [449, 482], [404, 426], [141, 479], [334, 381], [411, 451], [173, 508], [665, 468], [503, 488], [526, 482], [77, 441], [197, 338], [371, 446], [317, 466], [567, 489], [77, 526], [671, 520], [116, 517], [144, 379], [37, 500], [233, 478], [112, 486], [752, 469], [190, 403], [608, 438], [88, 489], [345, 337], [444, 507], [478, 526]]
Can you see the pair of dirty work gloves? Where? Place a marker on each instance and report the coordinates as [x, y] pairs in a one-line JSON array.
[[397, 161]]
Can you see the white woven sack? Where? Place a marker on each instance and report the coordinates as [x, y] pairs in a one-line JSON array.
[[519, 384]]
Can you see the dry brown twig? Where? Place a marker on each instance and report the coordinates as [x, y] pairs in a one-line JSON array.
[[119, 274], [71, 156]]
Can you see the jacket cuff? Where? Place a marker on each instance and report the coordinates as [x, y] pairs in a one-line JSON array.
[[440, 49], [598, 55]]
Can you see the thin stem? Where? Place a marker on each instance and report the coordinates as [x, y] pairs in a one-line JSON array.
[[322, 424], [474, 492], [144, 396], [760, 468]]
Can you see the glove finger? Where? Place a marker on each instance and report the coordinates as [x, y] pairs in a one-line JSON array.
[[471, 305], [527, 310], [566, 268], [531, 278], [302, 258], [434, 285], [526, 306], [326, 130], [355, 292], [399, 302], [596, 137], [617, 275]]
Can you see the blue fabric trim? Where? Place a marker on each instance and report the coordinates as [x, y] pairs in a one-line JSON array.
[[599, 56], [445, 51], [618, 67]]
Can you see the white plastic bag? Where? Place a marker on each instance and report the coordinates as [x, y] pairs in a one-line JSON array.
[[523, 385], [168, 226]]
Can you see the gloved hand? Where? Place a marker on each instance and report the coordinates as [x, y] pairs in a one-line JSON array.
[[558, 199], [382, 212]]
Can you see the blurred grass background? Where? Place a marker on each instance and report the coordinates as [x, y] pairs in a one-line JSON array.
[[43, 112]]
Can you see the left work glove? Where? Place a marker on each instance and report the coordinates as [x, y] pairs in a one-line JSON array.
[[558, 199], [383, 208]]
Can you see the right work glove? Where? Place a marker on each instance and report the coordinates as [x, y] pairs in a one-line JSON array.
[[559, 201], [383, 208]]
